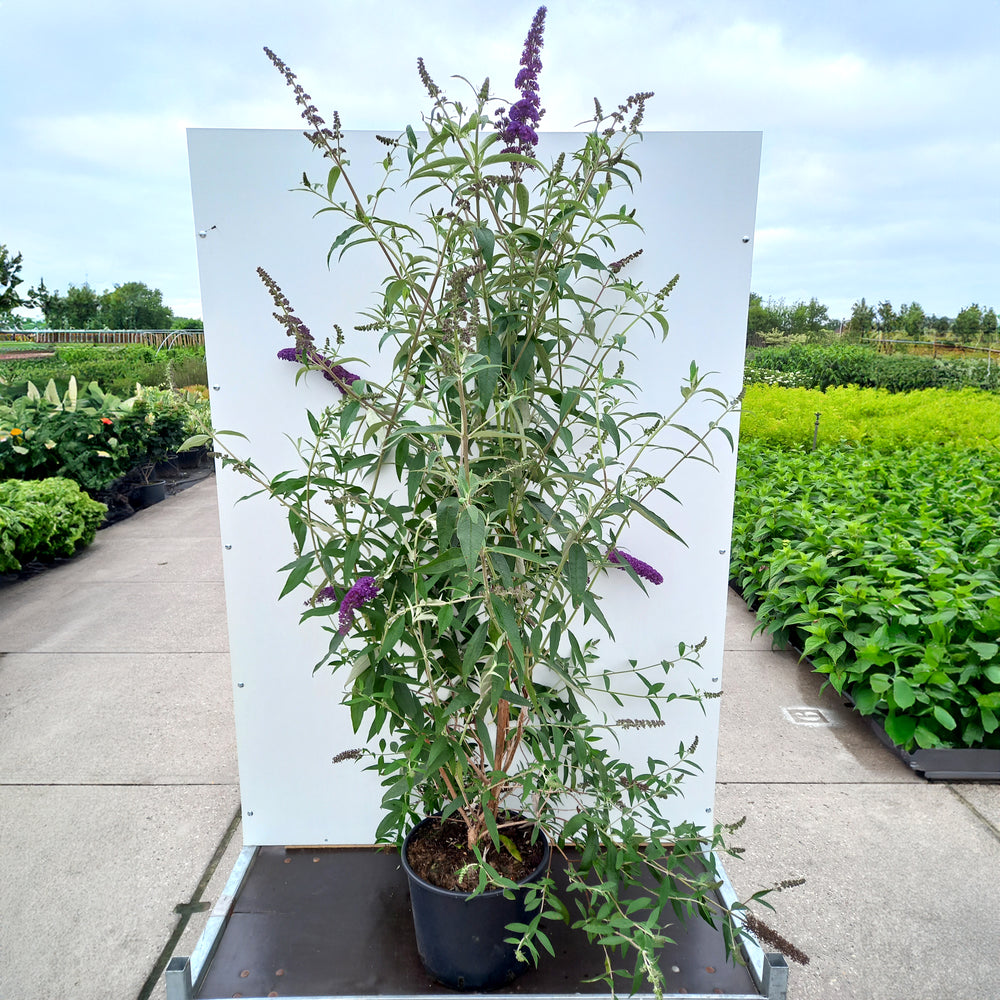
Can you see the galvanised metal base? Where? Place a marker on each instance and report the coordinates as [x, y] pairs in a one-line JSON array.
[[334, 924]]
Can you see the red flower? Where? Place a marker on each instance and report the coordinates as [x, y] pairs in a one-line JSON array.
[[106, 420]]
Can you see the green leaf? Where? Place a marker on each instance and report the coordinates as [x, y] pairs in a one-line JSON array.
[[394, 291], [944, 717], [865, 700], [576, 572], [391, 637], [486, 241], [474, 648], [523, 200], [511, 847], [299, 571], [331, 180], [342, 239], [903, 692], [471, 535], [508, 622], [986, 650], [572, 826], [653, 518], [447, 518], [900, 728]]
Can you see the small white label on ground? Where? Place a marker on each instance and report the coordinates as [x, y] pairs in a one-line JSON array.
[[804, 716]]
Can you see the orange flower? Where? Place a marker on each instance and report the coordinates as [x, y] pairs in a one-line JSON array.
[[106, 420], [14, 431]]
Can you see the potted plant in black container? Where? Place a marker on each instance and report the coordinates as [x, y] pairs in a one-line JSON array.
[[451, 523]]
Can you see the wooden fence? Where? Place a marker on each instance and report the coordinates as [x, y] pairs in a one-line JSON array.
[[155, 338], [936, 348]]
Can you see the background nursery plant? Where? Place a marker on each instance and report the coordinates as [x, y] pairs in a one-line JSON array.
[[452, 521]]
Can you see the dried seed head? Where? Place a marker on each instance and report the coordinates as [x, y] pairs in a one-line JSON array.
[[425, 78]]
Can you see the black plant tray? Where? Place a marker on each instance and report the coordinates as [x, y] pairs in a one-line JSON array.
[[944, 764], [335, 923]]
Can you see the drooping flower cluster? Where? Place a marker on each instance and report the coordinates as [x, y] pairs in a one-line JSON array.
[[324, 594], [337, 374], [642, 569], [363, 591], [518, 126], [303, 351]]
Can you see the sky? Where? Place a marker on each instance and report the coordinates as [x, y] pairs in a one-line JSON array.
[[880, 170]]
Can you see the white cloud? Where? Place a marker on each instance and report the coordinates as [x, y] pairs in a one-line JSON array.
[[880, 157]]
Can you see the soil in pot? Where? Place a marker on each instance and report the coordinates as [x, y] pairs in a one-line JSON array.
[[440, 854], [462, 939]]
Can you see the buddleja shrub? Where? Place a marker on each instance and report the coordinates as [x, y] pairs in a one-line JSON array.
[[452, 521]]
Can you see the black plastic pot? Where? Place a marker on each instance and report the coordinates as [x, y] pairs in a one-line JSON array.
[[149, 493], [460, 938], [193, 458]]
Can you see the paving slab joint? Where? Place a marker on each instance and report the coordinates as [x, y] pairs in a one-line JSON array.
[[175, 976]]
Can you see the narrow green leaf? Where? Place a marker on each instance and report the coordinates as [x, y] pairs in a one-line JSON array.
[[508, 622], [471, 530], [299, 571], [522, 200], [576, 572]]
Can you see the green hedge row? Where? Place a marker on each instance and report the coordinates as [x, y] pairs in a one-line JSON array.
[[43, 520], [883, 568], [117, 368], [823, 365]]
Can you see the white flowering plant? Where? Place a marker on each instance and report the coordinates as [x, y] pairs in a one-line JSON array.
[[451, 521]]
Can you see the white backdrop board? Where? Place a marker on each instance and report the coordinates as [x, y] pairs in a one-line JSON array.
[[696, 203]]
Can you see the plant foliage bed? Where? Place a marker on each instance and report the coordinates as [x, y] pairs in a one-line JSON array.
[[92, 436], [117, 368], [786, 417], [881, 566], [827, 365], [44, 520]]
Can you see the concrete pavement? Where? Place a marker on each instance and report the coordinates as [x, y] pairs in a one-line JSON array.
[[119, 802]]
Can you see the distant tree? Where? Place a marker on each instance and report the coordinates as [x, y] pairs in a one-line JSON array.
[[78, 309], [862, 320], [968, 325], [810, 317], [912, 319], [990, 325], [10, 298], [886, 317], [939, 324], [135, 306], [765, 318], [186, 323]]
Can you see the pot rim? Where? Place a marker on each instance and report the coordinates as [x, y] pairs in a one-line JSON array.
[[486, 894]]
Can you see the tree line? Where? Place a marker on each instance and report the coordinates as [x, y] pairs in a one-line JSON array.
[[132, 305], [775, 321]]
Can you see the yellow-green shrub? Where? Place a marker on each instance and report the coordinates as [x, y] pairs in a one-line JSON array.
[[787, 417]]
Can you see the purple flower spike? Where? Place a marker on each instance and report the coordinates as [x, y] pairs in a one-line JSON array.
[[337, 374], [642, 569], [518, 127], [364, 590]]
